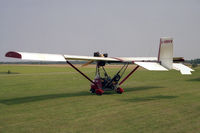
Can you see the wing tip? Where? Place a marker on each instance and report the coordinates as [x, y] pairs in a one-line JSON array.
[[13, 54]]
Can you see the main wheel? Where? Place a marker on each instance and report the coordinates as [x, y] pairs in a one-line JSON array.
[[99, 92], [119, 90], [92, 90]]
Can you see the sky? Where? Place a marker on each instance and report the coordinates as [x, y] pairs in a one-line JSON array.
[[121, 28]]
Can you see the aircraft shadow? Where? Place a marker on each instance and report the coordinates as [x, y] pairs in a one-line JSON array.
[[139, 88], [42, 97], [65, 95], [150, 98], [9, 73], [195, 79]]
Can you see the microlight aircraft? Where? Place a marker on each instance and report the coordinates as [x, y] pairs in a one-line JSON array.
[[103, 82]]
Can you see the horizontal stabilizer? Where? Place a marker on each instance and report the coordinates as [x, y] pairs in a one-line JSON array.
[[154, 66], [182, 68]]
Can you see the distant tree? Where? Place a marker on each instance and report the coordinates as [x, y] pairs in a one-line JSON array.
[[194, 64]]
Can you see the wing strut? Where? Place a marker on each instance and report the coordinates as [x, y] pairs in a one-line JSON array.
[[81, 73], [129, 75]]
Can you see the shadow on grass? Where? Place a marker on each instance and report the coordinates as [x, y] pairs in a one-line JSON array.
[[195, 79], [64, 95], [140, 88], [151, 98], [9, 73], [42, 97]]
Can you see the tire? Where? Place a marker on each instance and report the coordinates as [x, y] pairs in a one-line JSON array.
[[99, 92], [119, 90], [92, 90]]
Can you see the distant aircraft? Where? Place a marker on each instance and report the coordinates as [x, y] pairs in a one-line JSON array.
[[104, 82]]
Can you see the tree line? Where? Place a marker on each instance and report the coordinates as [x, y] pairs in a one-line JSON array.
[[193, 62]]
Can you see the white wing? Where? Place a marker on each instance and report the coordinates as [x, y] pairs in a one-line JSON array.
[[59, 57], [138, 59], [55, 57]]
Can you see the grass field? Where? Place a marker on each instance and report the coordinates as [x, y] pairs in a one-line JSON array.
[[56, 99]]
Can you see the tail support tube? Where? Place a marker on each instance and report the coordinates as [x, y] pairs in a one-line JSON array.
[[129, 75]]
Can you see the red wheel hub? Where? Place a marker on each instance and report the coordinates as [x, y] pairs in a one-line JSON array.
[[120, 90], [99, 91]]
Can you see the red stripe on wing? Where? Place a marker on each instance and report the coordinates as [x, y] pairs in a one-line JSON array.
[[13, 55]]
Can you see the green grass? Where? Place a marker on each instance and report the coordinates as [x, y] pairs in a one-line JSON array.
[[49, 99]]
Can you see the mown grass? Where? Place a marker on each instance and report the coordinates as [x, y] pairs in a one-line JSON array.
[[56, 99]]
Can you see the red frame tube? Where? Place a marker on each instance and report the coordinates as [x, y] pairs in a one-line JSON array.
[[129, 75], [159, 51], [81, 73]]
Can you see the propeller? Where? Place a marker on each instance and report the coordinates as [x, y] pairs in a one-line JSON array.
[[87, 63]]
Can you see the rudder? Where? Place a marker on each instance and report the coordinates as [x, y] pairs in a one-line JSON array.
[[165, 54]]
